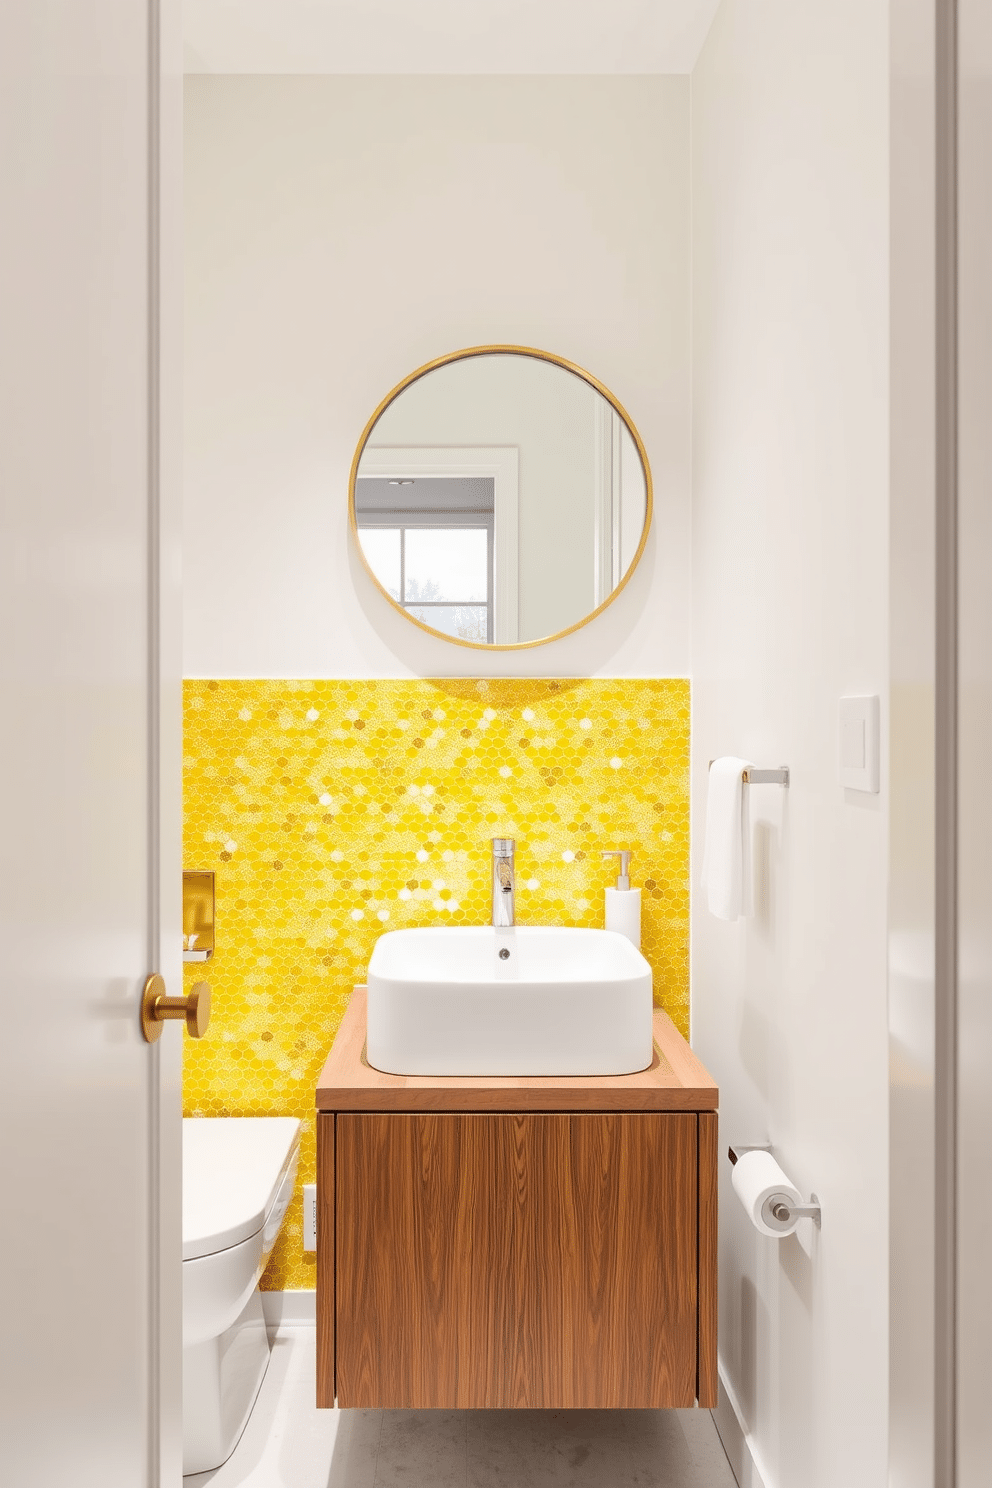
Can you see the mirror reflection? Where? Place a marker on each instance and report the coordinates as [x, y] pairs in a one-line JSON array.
[[501, 497]]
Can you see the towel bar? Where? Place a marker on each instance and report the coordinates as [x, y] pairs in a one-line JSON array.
[[754, 776], [767, 777]]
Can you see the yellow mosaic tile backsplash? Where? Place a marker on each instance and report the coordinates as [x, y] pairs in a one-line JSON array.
[[334, 810]]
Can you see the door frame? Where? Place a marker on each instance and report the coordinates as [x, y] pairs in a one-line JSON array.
[[165, 464]]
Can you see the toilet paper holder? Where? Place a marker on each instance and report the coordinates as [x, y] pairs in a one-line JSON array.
[[782, 1210]]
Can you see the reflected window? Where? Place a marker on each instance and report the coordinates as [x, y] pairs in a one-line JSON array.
[[429, 542]]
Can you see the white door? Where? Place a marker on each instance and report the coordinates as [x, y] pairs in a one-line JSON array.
[[89, 723]]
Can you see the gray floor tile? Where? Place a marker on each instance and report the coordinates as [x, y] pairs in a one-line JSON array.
[[678, 1449], [291, 1444], [417, 1448], [712, 1467], [545, 1449], [356, 1449]]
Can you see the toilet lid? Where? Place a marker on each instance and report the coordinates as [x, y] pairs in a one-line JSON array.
[[232, 1170]]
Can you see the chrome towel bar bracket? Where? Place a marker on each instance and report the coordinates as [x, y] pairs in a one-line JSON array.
[[767, 777], [753, 776]]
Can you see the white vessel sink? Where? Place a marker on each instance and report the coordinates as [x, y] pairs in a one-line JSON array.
[[563, 1002]]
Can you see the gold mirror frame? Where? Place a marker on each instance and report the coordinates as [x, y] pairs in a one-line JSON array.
[[459, 356]]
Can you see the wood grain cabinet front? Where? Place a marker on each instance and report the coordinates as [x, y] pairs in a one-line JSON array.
[[490, 1242], [516, 1259]]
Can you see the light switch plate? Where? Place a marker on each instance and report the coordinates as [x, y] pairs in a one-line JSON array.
[[309, 1216], [858, 743]]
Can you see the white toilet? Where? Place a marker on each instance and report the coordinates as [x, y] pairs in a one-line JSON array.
[[238, 1176]]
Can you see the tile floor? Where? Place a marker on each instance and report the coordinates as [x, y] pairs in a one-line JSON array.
[[290, 1444]]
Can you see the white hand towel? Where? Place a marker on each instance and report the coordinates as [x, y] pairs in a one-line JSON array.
[[726, 876]]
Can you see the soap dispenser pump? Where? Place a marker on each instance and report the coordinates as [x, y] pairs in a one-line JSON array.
[[623, 904]]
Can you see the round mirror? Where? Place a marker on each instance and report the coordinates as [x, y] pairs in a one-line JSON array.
[[500, 496]]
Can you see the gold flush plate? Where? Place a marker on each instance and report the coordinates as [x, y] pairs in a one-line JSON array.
[[198, 916]]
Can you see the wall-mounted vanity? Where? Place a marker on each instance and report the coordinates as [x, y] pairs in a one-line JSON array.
[[528, 1242]]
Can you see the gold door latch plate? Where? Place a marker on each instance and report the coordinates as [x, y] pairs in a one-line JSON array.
[[157, 1008]]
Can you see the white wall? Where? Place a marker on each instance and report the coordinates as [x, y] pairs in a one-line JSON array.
[[444, 36], [790, 545], [342, 231]]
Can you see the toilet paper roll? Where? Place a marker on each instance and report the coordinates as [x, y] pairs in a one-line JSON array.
[[759, 1182]]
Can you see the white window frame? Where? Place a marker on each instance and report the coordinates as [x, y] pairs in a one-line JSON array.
[[501, 464], [607, 567]]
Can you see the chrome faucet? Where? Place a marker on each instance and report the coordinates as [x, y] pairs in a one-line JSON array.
[[503, 882]]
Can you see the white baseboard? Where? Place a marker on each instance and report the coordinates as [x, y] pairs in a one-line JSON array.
[[290, 1309], [737, 1440]]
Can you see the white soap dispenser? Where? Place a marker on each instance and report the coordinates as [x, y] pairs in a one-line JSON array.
[[623, 904]]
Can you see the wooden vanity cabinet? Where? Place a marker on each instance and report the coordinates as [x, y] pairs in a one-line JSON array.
[[507, 1256]]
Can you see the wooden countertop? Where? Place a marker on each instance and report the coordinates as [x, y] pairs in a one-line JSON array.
[[675, 1081]]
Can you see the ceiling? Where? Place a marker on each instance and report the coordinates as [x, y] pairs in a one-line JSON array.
[[444, 36]]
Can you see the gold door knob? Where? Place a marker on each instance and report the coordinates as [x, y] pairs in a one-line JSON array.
[[156, 1007]]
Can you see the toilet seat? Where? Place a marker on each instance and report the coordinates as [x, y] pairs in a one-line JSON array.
[[235, 1169]]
